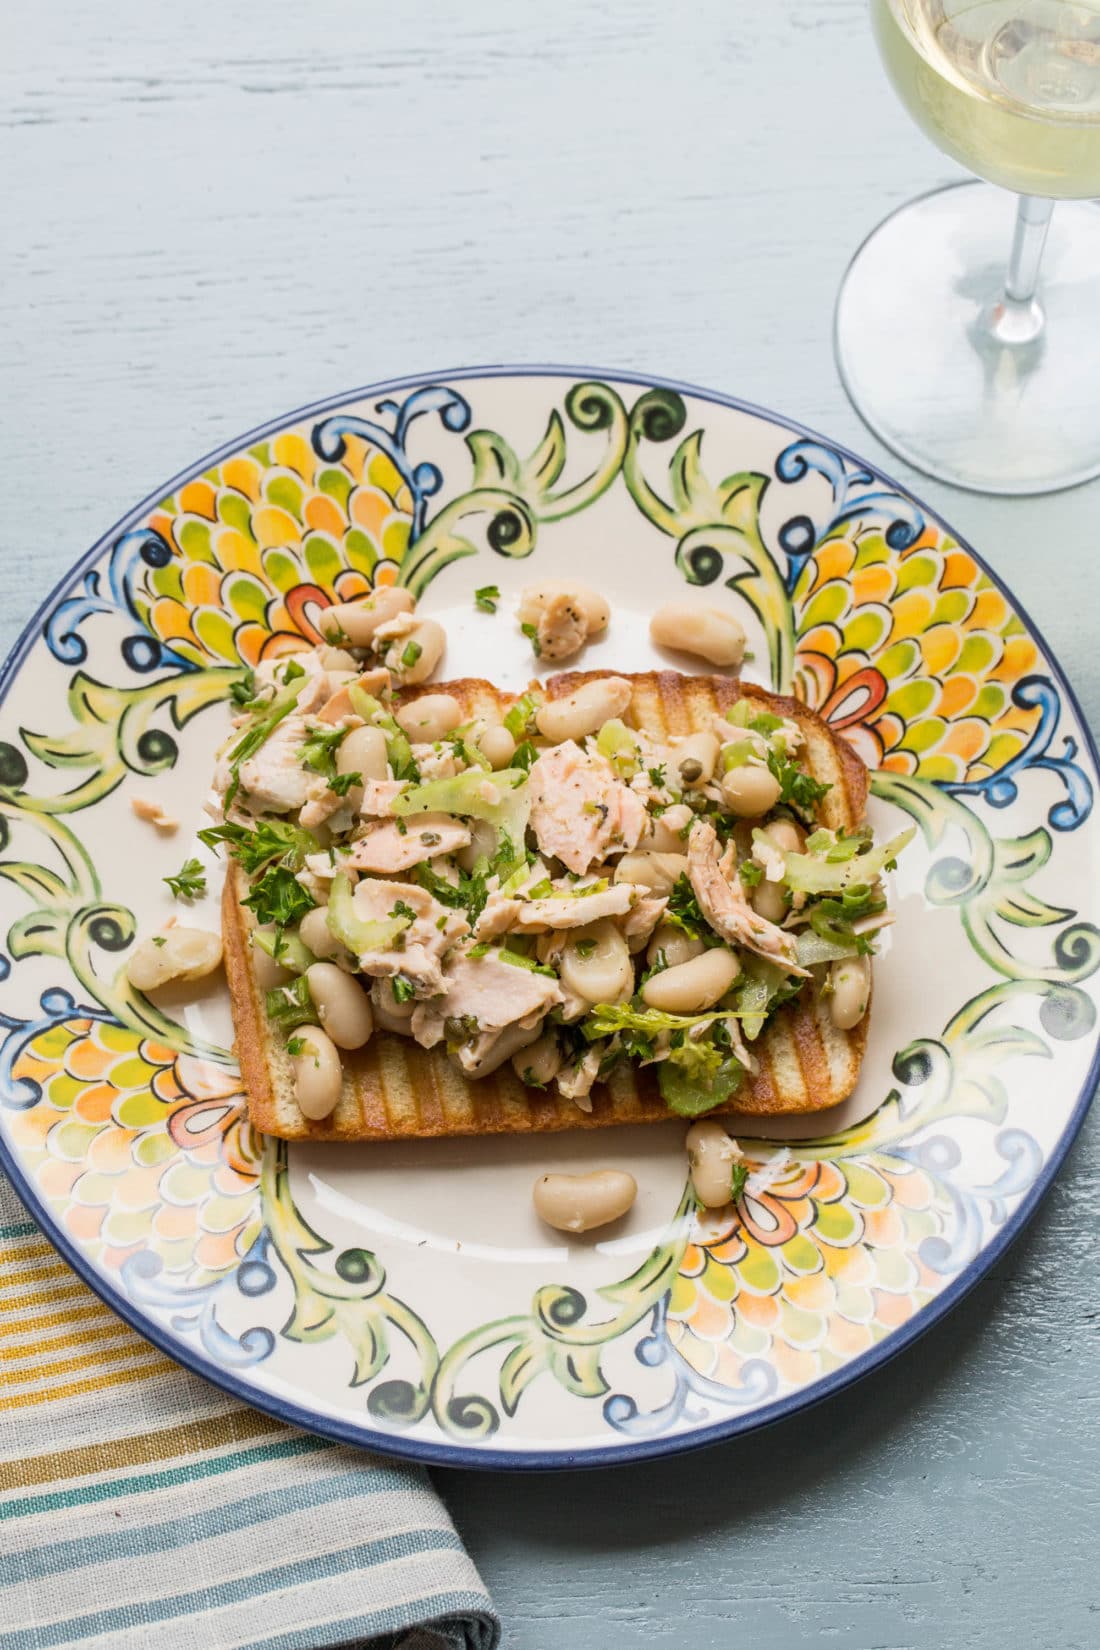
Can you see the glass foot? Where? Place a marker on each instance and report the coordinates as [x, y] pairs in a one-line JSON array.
[[1014, 413]]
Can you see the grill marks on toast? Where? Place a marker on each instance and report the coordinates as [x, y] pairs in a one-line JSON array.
[[395, 1090]]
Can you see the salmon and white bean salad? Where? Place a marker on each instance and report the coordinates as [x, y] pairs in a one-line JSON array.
[[556, 888]]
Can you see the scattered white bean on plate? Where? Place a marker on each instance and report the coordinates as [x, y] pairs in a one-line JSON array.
[[581, 1202]]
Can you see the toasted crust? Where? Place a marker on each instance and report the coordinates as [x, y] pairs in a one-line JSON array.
[[395, 1090]]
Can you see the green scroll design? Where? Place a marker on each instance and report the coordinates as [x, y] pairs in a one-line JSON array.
[[557, 1337], [344, 1294], [114, 735], [984, 878], [511, 497], [716, 526]]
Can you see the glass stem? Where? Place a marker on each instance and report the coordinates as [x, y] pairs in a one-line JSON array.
[[1017, 316], [1028, 240]]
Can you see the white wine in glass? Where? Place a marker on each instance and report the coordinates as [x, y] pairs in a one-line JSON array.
[[984, 374]]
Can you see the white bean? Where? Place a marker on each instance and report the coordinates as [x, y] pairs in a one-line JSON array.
[[662, 835], [318, 1076], [539, 1064], [363, 751], [769, 900], [355, 623], [186, 954], [497, 746], [705, 632], [657, 872], [317, 936], [389, 1014], [693, 986], [535, 597], [343, 1007], [584, 710], [850, 980], [694, 760], [431, 717], [337, 660], [786, 836], [749, 791], [410, 666], [579, 1202], [671, 942], [712, 1156], [596, 963]]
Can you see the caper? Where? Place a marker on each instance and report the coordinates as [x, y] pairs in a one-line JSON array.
[[691, 770]]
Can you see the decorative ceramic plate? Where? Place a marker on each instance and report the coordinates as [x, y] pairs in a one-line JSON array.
[[406, 1296]]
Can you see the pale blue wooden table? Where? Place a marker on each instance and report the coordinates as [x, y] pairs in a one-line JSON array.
[[215, 212]]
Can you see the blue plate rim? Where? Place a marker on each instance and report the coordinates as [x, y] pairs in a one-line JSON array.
[[438, 1452]]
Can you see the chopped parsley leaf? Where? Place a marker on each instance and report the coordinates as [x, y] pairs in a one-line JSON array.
[[797, 789], [159, 940], [403, 989], [278, 898], [272, 839], [469, 893], [189, 881]]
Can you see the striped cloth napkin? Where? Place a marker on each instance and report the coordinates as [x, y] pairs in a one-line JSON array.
[[140, 1507]]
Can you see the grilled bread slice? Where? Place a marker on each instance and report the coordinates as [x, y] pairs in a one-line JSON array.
[[395, 1090]]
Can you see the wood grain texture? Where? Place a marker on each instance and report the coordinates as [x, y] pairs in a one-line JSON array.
[[214, 212]]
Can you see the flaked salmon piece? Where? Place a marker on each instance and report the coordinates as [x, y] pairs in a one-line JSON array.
[[562, 627], [486, 992], [498, 914], [322, 804], [436, 764], [492, 1048], [502, 912], [642, 919], [268, 673], [422, 946], [723, 901], [274, 777], [576, 911], [314, 693], [386, 848], [580, 810], [788, 734], [575, 1082], [379, 796], [377, 683]]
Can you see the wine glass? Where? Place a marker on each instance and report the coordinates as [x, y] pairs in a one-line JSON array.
[[982, 375]]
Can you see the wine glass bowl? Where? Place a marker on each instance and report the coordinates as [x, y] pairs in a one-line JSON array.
[[981, 376]]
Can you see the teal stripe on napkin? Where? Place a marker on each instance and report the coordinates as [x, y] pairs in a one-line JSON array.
[[162, 1512]]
